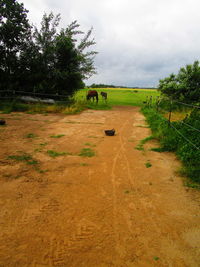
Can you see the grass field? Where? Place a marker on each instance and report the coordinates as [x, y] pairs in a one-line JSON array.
[[119, 96]]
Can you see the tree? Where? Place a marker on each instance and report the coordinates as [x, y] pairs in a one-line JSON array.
[[14, 26], [185, 86], [63, 61], [45, 60]]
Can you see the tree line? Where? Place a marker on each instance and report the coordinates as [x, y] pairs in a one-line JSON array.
[[45, 60]]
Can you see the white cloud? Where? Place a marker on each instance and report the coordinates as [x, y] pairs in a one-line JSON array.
[[138, 42]]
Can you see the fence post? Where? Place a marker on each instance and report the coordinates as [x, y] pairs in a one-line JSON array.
[[157, 103], [170, 112]]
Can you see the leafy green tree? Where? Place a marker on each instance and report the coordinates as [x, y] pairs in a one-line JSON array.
[[45, 60], [63, 61], [185, 86], [14, 26]]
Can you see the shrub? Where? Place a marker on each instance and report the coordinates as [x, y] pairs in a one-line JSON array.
[[180, 138]]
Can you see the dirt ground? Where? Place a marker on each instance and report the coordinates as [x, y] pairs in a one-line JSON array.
[[121, 207]]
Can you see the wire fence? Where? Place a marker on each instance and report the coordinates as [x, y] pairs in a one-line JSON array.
[[33, 97], [189, 105], [156, 103], [15, 94]]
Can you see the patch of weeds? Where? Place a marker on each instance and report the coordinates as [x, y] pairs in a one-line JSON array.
[[24, 157], [32, 162], [139, 147], [84, 164], [143, 126], [158, 149], [143, 141], [31, 135], [55, 154], [41, 171], [192, 185], [87, 152], [89, 144], [38, 150], [57, 136], [6, 111], [148, 164], [156, 258], [30, 112], [127, 192], [43, 144]]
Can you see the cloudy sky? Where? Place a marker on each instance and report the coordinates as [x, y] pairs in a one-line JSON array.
[[138, 41]]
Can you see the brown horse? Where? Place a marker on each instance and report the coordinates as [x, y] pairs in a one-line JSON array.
[[92, 94], [104, 95]]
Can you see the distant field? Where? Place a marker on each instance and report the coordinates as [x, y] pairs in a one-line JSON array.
[[119, 96]]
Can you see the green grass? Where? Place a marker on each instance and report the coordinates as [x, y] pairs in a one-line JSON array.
[[89, 144], [87, 152], [84, 164], [140, 146], [31, 135], [55, 154], [43, 144], [118, 96], [57, 136], [24, 157], [148, 164]]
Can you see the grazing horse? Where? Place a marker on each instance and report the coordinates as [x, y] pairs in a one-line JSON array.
[[104, 95], [92, 94]]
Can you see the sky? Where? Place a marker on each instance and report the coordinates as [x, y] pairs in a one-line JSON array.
[[138, 42]]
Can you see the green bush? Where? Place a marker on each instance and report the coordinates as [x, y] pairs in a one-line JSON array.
[[187, 148]]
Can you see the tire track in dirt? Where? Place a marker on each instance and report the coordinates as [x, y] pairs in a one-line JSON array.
[[114, 197]]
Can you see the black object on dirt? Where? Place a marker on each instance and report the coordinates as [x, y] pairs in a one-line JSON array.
[[110, 132], [2, 122]]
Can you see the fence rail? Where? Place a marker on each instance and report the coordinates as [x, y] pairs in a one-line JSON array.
[[16, 93]]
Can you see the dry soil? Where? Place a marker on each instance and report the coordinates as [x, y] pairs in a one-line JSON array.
[[121, 207]]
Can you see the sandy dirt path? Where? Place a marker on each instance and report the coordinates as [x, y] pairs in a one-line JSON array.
[[105, 210]]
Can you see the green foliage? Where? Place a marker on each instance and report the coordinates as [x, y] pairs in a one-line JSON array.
[[14, 28], [140, 146], [148, 164], [24, 157], [171, 140], [55, 154], [87, 152], [184, 86], [46, 60], [57, 136], [31, 135]]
